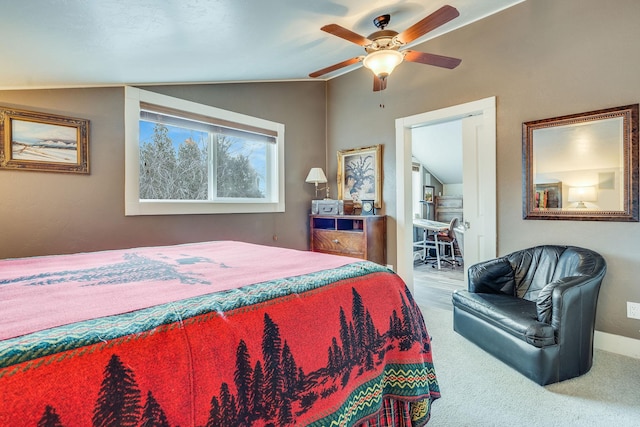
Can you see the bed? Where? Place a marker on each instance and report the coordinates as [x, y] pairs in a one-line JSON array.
[[210, 334]]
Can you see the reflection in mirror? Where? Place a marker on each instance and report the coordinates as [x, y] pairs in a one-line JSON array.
[[582, 167]]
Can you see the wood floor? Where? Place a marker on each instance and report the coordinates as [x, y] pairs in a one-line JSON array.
[[433, 287]]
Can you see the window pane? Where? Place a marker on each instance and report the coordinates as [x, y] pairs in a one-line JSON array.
[[183, 157], [173, 162], [241, 168]]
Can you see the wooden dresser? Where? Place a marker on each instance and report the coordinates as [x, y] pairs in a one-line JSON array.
[[358, 236]]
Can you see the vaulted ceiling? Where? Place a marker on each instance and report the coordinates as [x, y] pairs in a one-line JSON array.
[[76, 43]]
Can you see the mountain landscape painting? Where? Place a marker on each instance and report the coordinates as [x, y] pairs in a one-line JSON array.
[[43, 142], [36, 141]]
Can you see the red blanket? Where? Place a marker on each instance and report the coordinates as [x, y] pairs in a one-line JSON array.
[[324, 345]]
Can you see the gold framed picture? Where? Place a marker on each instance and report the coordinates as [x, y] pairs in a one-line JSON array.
[[43, 142], [360, 175]]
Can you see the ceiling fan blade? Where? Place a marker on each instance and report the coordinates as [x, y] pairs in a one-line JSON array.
[[439, 17], [431, 59], [379, 84], [348, 35], [336, 66]]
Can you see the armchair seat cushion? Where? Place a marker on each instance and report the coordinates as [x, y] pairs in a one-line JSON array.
[[518, 317]]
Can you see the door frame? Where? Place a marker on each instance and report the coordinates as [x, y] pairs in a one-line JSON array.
[[404, 216]]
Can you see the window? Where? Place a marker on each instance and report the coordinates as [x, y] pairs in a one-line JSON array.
[[188, 158]]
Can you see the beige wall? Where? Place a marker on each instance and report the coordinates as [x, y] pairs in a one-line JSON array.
[[49, 213], [541, 59]]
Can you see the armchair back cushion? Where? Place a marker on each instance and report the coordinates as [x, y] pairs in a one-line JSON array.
[[539, 266], [495, 276]]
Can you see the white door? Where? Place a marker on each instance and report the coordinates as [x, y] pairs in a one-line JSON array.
[[478, 192], [480, 140]]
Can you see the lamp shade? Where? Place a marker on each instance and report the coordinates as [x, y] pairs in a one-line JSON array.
[[582, 194], [382, 62], [316, 176]]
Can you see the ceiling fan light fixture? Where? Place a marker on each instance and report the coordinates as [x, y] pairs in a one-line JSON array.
[[383, 62]]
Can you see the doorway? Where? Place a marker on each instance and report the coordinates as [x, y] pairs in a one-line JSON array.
[[437, 196], [479, 181]]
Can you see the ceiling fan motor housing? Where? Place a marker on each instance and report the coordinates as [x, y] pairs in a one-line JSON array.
[[383, 39]]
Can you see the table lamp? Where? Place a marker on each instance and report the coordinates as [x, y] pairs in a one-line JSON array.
[[316, 176], [581, 195]]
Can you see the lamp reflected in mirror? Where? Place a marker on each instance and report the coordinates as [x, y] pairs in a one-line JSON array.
[[582, 166], [579, 195]]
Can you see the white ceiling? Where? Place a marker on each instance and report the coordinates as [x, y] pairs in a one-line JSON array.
[[438, 148], [72, 43], [592, 145]]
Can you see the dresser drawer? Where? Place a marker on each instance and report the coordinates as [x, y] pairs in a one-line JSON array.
[[350, 243], [356, 236]]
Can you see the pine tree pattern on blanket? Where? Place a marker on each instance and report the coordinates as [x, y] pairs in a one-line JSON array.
[[341, 347]]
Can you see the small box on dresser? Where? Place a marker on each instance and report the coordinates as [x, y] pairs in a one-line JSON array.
[[356, 236]]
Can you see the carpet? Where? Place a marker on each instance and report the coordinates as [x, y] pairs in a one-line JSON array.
[[479, 390]]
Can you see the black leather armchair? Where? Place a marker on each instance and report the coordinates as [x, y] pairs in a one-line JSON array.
[[534, 309]]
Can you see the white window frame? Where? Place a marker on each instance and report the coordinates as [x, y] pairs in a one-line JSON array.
[[134, 206]]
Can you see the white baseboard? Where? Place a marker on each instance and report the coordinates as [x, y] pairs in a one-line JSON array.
[[617, 344]]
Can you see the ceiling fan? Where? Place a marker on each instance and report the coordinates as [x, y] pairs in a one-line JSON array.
[[383, 46]]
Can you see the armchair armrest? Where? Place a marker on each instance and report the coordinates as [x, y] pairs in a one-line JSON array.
[[495, 276], [556, 300], [544, 302], [554, 295]]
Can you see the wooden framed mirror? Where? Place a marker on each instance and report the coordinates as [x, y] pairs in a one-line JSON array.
[[582, 166]]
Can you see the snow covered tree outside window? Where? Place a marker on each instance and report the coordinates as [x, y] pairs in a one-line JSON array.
[[183, 157], [175, 163]]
